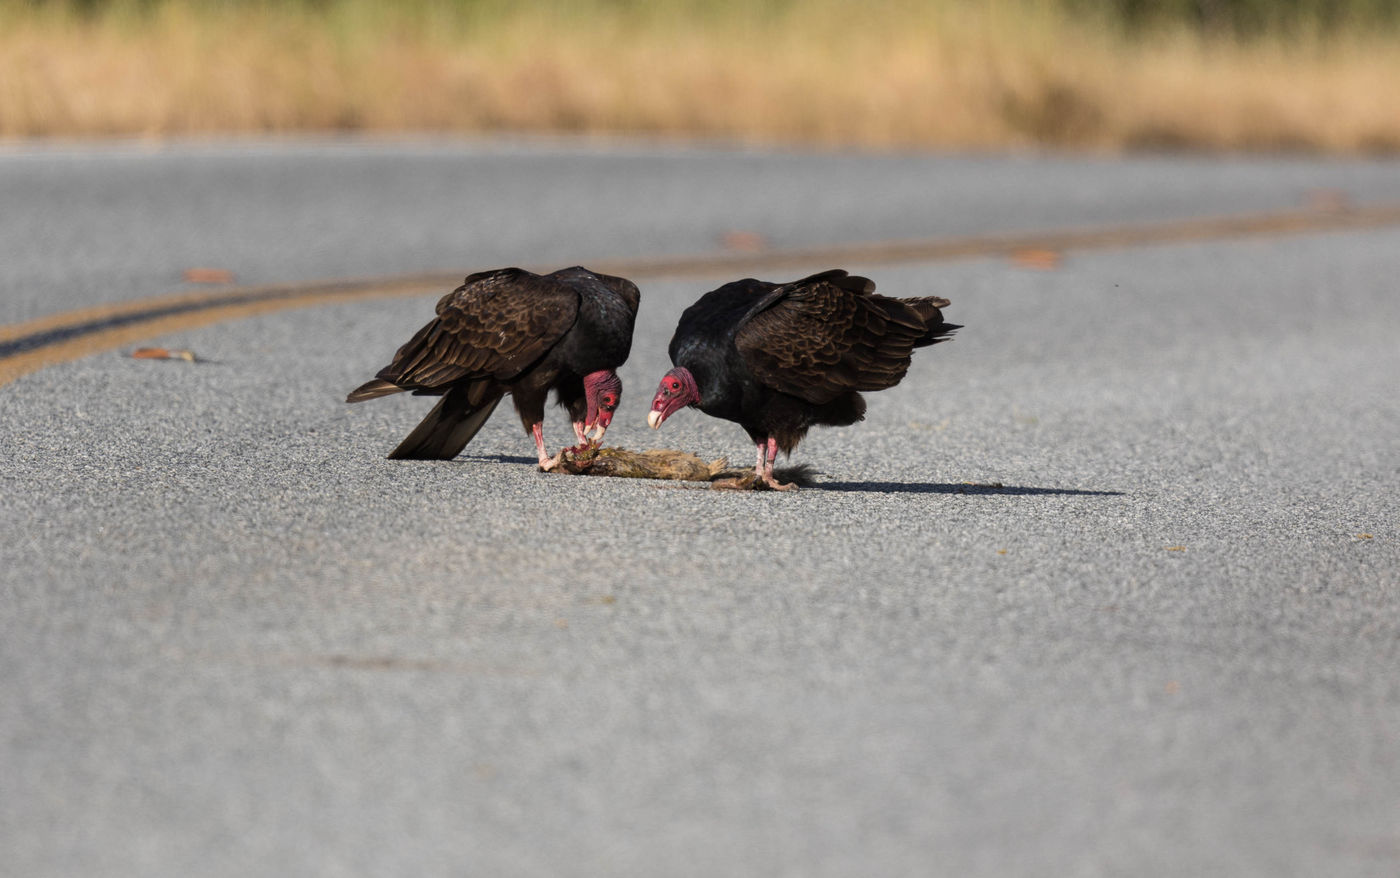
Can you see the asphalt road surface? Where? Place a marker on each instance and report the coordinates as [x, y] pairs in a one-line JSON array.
[[1110, 585]]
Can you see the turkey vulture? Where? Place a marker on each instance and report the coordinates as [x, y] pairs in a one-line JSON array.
[[511, 331], [778, 358]]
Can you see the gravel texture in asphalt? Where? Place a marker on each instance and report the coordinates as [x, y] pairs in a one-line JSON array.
[[1109, 585]]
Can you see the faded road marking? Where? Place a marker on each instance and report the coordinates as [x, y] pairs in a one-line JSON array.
[[59, 338]]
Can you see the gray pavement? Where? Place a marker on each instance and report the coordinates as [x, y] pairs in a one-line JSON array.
[[1159, 634]]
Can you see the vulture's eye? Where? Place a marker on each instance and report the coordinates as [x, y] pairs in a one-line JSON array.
[[673, 384], [609, 402]]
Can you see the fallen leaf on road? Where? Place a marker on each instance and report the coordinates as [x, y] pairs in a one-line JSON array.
[[747, 241], [1328, 200], [208, 276], [1044, 260], [163, 354]]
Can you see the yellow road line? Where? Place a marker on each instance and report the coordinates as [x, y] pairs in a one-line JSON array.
[[976, 246], [58, 338], [407, 285], [23, 363]]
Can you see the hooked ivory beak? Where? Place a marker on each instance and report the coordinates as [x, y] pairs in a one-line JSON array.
[[654, 419], [597, 436]]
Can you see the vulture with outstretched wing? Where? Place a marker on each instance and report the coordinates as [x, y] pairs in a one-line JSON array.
[[780, 358], [512, 331]]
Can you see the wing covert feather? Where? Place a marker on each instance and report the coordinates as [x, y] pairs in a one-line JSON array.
[[826, 335], [494, 325]]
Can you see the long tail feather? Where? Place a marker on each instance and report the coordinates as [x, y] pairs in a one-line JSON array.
[[372, 390], [448, 427], [929, 309], [938, 332]]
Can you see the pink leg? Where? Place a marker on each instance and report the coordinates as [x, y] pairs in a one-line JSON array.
[[583, 443], [758, 466], [772, 448], [546, 462]]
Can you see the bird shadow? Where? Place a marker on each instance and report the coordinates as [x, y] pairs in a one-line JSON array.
[[805, 476], [959, 488]]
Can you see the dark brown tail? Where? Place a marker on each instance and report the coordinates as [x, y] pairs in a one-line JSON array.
[[929, 310], [451, 424]]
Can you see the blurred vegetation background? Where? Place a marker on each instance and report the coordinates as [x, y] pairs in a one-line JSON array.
[[1301, 75]]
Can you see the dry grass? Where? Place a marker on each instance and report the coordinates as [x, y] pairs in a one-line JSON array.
[[883, 73]]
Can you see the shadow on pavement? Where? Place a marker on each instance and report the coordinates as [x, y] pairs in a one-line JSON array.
[[873, 487], [958, 488]]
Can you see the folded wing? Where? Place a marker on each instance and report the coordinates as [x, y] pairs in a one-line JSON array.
[[829, 334], [495, 325]]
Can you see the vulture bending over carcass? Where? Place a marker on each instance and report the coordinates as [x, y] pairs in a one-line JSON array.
[[779, 358], [511, 331]]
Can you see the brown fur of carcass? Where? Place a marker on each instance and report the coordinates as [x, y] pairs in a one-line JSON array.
[[664, 463]]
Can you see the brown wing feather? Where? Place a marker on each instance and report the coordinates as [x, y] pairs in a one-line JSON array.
[[826, 335], [494, 325]]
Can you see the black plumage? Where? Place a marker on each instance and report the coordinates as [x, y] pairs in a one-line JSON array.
[[780, 358], [512, 331]]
